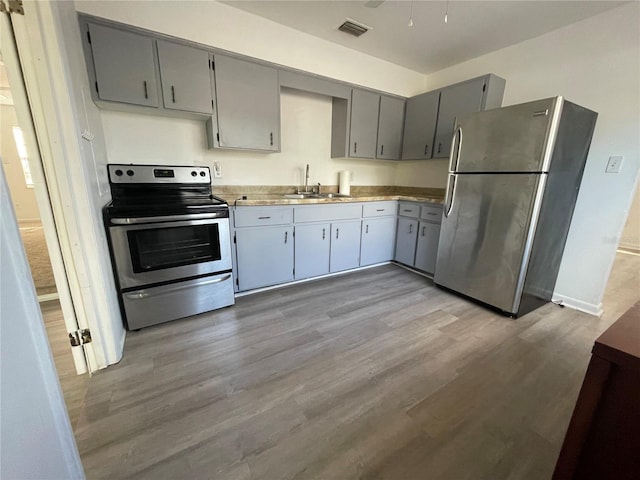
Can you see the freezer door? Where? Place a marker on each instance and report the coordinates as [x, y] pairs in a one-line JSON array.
[[510, 139], [485, 236]]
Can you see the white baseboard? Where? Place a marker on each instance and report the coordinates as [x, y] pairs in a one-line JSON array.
[[590, 308]]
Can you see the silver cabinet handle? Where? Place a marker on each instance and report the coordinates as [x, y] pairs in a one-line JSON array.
[[264, 218], [355, 147], [323, 233], [337, 233], [380, 210], [426, 147], [146, 92], [286, 235], [173, 94], [271, 139], [367, 229], [144, 294], [381, 149], [423, 228], [411, 228]]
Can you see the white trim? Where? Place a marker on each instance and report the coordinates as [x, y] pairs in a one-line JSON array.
[[590, 308], [26, 113]]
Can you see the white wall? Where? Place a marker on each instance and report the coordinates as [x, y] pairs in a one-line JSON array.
[[306, 136], [23, 197], [35, 432], [631, 233], [595, 63]]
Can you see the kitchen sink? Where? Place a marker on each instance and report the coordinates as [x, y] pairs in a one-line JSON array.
[[301, 195], [314, 195]]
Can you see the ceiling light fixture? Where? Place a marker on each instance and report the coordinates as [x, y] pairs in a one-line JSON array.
[[446, 13], [411, 15]]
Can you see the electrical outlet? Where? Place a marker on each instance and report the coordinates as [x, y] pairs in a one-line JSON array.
[[614, 164], [217, 170]]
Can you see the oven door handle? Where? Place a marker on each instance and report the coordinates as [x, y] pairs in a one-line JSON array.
[[165, 218], [142, 294]]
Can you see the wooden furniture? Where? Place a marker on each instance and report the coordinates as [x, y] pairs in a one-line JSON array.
[[603, 438]]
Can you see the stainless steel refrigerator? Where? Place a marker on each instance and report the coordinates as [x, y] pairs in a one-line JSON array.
[[514, 176]]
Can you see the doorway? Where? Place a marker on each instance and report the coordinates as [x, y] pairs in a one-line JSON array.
[[15, 162]]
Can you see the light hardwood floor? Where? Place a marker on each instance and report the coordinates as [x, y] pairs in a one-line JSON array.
[[374, 375]]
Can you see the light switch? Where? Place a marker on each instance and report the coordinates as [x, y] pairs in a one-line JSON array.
[[217, 170], [614, 164]]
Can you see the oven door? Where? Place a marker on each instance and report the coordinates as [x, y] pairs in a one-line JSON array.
[[150, 253]]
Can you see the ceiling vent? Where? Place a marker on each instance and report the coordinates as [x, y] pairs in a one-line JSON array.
[[353, 28]]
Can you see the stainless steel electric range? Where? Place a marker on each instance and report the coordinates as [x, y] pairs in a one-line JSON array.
[[169, 243]]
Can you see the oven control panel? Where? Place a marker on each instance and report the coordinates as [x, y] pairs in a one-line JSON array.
[[121, 173]]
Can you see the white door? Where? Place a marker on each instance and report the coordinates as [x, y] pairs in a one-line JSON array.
[[9, 54]]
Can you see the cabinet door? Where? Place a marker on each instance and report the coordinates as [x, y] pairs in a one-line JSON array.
[[406, 238], [312, 250], [125, 66], [185, 77], [420, 126], [378, 240], [345, 245], [390, 128], [248, 105], [427, 248], [265, 256], [364, 124], [455, 101]]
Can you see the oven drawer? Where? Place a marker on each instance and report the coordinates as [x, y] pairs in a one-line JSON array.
[[149, 306]]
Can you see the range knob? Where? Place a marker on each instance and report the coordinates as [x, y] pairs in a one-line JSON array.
[[130, 173], [202, 174], [118, 173], [193, 173]]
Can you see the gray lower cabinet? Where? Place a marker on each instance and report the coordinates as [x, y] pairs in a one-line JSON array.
[[312, 250], [264, 256], [345, 245], [420, 126], [418, 235], [185, 74], [124, 64], [406, 238], [247, 98], [378, 240], [390, 122], [427, 247], [364, 124]]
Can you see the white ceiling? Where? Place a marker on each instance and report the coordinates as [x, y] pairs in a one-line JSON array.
[[473, 29]]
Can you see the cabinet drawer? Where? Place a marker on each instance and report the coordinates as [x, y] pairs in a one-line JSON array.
[[379, 209], [432, 213], [258, 216], [327, 213], [408, 209]]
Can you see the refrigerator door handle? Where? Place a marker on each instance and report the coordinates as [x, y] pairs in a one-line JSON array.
[[455, 152], [450, 194]]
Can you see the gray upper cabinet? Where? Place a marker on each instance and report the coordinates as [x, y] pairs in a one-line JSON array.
[[364, 124], [125, 66], [185, 74], [474, 95], [420, 126], [390, 125], [247, 98]]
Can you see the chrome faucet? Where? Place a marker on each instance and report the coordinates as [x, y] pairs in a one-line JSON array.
[[306, 179]]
